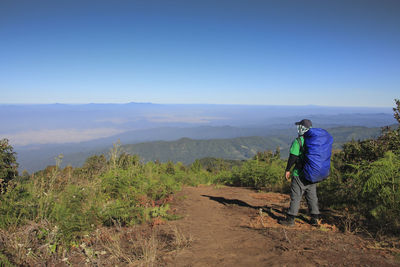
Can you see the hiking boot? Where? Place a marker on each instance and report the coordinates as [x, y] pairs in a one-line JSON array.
[[314, 219], [288, 221]]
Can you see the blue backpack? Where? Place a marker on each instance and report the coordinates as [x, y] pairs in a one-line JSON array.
[[317, 154]]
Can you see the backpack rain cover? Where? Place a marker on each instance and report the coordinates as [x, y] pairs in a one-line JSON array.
[[317, 154]]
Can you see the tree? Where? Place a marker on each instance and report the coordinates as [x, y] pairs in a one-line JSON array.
[[397, 110], [8, 163]]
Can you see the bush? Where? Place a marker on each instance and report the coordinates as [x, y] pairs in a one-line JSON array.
[[17, 206], [95, 165], [8, 164], [76, 201], [366, 179], [74, 213], [258, 174], [381, 190]]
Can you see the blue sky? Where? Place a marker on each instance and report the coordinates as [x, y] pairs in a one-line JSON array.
[[330, 53]]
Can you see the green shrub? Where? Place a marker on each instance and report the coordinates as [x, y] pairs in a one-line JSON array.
[[366, 179], [381, 190], [258, 174], [95, 165], [17, 206], [73, 213], [121, 212], [8, 164]]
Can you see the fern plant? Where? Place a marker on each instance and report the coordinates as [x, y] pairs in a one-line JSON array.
[[381, 189]]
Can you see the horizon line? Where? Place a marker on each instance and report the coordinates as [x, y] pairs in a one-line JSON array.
[[193, 104]]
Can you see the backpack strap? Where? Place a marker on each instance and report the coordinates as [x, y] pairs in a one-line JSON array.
[[300, 143], [300, 163]]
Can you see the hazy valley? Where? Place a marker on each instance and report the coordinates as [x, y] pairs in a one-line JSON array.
[[183, 133]]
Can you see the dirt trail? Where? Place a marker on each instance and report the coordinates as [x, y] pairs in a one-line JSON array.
[[228, 229]]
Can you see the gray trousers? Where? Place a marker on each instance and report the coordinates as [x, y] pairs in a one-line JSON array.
[[298, 188]]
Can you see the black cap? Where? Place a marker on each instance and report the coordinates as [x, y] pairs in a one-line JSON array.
[[306, 123]]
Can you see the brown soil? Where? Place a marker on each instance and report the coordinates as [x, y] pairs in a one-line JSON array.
[[228, 229]]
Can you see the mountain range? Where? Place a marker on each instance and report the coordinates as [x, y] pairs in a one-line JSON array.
[[39, 133], [186, 150]]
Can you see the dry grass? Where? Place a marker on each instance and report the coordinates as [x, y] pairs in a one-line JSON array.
[[126, 246], [180, 240], [135, 246], [350, 222], [109, 243], [27, 248], [149, 250]]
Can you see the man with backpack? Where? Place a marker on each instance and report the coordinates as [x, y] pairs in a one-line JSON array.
[[310, 153]]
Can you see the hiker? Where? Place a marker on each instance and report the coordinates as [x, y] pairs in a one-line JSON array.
[[299, 184]]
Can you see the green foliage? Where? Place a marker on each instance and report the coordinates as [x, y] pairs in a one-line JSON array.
[[369, 190], [8, 164], [188, 150], [170, 169], [125, 161], [264, 171], [371, 149], [215, 165], [77, 201], [74, 202], [196, 166], [73, 213], [366, 179], [120, 212], [381, 189], [95, 165], [129, 192], [17, 206]]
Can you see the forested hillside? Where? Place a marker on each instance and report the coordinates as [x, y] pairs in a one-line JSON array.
[[187, 150]]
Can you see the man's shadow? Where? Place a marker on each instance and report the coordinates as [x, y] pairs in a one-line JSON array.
[[267, 209]]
